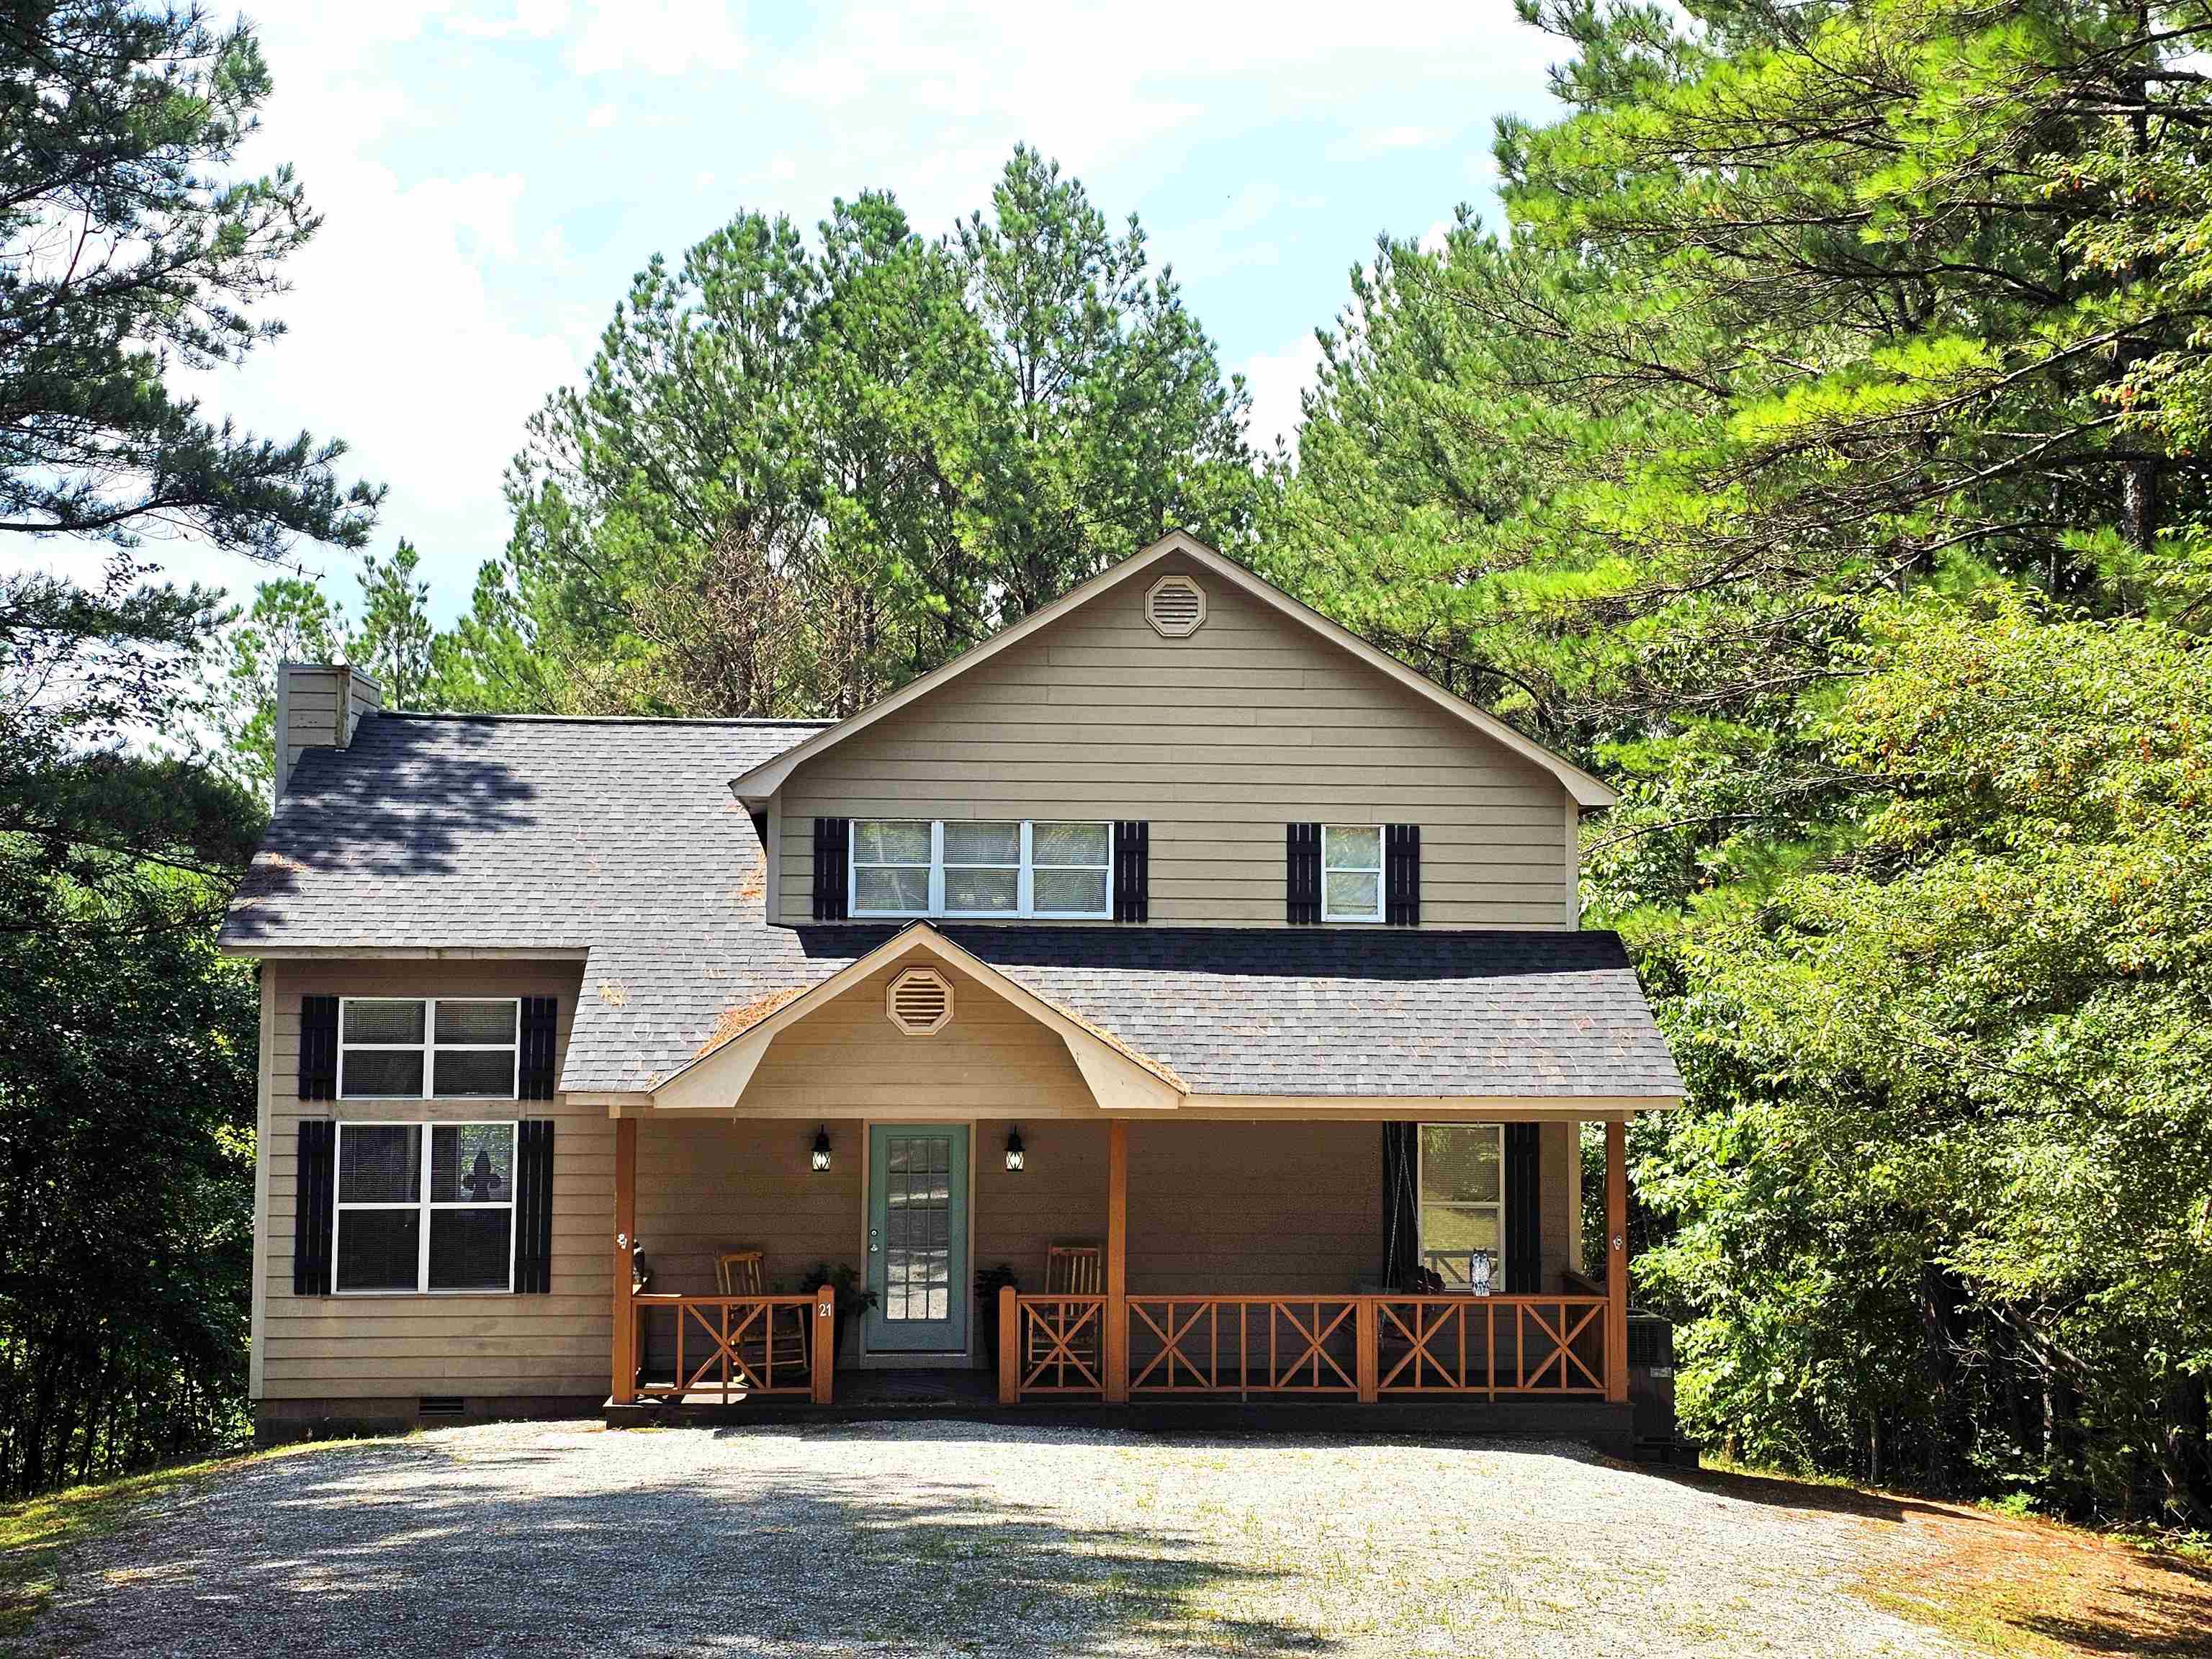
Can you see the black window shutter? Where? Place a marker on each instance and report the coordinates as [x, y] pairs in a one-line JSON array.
[[833, 840], [1401, 875], [1133, 879], [319, 1047], [1301, 873], [1524, 1212], [533, 1207], [541, 1030], [315, 1186]]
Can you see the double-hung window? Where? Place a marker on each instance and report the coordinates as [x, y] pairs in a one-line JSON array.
[[984, 868], [423, 1208], [1351, 872], [1462, 1208], [1071, 869], [435, 1047]]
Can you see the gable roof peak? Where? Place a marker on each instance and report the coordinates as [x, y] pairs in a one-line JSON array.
[[754, 788]]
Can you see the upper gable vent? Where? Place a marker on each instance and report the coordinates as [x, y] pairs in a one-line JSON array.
[[920, 1002], [1175, 607]]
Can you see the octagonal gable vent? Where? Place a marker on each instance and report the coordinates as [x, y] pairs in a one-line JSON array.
[[1175, 607], [920, 1002]]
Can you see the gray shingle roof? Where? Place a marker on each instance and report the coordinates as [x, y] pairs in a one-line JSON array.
[[622, 838]]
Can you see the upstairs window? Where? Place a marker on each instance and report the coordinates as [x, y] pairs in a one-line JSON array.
[[1071, 869], [1351, 872], [428, 1047], [423, 1208], [981, 868]]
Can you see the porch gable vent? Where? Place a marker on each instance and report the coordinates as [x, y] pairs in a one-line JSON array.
[[920, 1002], [1175, 606]]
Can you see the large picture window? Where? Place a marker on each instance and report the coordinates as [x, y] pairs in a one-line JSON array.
[[419, 1048], [1463, 1210], [981, 868], [424, 1207]]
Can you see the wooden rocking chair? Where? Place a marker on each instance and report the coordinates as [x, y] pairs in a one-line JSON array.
[[1071, 1270], [738, 1273]]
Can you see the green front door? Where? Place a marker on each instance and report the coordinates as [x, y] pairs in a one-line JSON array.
[[918, 1237]]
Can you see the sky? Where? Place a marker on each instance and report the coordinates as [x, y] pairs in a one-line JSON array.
[[492, 174]]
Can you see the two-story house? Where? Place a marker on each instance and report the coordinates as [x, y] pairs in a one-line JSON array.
[[1211, 969]]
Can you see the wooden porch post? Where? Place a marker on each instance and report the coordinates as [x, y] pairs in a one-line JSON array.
[[1117, 1260], [1616, 1261], [1367, 1362], [1008, 1314], [625, 1313], [824, 1373]]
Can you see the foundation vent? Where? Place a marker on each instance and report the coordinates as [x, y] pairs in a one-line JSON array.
[[920, 1002], [1175, 607], [438, 1405]]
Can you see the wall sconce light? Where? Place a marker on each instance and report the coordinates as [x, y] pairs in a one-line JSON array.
[[1016, 1156], [821, 1149]]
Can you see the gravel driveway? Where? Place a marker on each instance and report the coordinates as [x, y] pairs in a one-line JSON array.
[[949, 1538]]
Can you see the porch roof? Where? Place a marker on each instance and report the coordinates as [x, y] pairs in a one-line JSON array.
[[1356, 1013]]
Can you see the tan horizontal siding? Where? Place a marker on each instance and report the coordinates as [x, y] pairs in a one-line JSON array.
[[1218, 741], [394, 1347], [1058, 1197], [849, 1058], [722, 1184]]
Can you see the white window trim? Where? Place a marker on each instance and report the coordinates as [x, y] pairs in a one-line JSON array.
[[1382, 863], [1030, 868], [430, 1048], [1421, 1203], [1024, 909], [423, 1204]]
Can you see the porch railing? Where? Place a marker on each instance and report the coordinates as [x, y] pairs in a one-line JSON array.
[[1355, 1347], [727, 1348], [1244, 1345], [1058, 1344], [1491, 1344]]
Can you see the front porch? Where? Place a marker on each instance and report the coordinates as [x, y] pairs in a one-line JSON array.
[[1184, 1329]]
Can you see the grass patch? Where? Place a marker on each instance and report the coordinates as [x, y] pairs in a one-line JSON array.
[[35, 1531], [2013, 1583]]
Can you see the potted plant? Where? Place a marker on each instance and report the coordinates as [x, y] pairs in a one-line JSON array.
[[987, 1284], [853, 1297]]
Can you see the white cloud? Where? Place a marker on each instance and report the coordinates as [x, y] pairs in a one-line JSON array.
[[657, 37], [1276, 380], [1402, 138], [602, 117], [401, 337]]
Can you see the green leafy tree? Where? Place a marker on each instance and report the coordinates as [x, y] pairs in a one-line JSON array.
[[797, 476], [129, 248], [1817, 449], [289, 621], [293, 620], [395, 643]]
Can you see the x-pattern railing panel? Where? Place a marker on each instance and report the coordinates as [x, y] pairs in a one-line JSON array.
[[743, 1336], [1272, 1344], [1061, 1334], [1491, 1345]]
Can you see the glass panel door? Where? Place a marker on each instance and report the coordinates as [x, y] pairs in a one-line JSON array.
[[917, 1238]]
